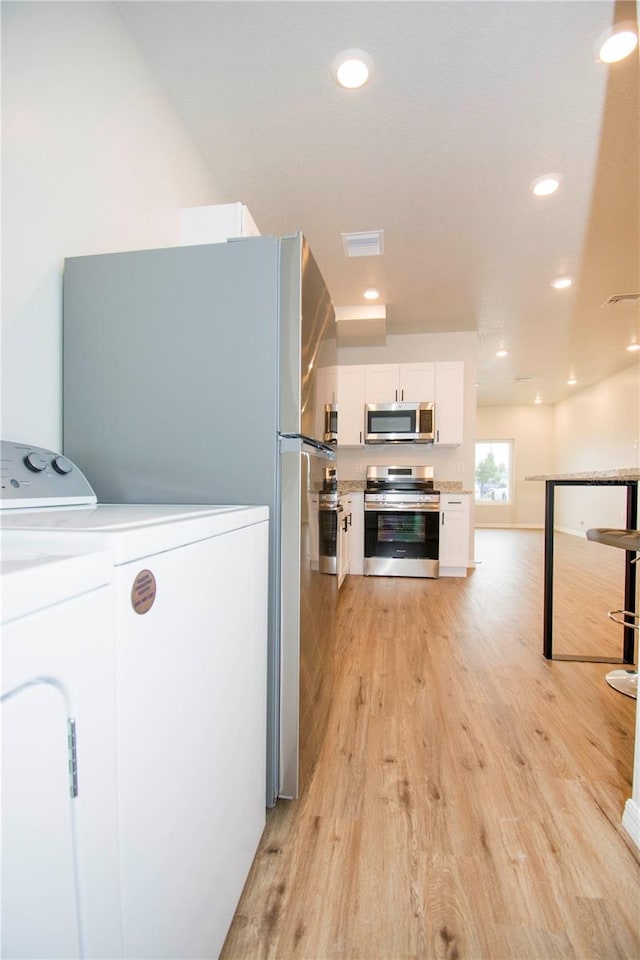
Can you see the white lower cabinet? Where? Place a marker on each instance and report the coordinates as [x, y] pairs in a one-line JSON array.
[[351, 535], [356, 534], [454, 534], [344, 538]]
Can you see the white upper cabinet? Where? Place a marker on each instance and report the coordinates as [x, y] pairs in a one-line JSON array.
[[417, 382], [215, 224], [381, 383], [449, 400], [351, 405], [394, 382], [441, 382]]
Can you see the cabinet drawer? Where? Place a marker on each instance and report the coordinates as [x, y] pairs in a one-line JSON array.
[[453, 501]]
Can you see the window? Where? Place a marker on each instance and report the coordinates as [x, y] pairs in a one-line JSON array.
[[493, 471]]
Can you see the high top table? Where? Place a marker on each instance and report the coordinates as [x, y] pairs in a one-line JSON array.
[[610, 478]]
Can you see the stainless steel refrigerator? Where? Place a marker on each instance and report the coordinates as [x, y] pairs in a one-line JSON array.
[[189, 377]]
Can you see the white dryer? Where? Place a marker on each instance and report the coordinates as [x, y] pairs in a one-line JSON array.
[[59, 852], [190, 586]]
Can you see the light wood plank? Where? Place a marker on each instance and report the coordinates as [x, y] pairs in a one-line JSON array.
[[468, 798]]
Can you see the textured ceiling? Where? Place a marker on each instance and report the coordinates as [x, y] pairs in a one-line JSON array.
[[469, 102]]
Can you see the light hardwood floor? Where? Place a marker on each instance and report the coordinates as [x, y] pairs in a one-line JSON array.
[[468, 799]]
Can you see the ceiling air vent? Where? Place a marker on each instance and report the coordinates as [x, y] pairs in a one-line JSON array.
[[363, 244], [619, 299]]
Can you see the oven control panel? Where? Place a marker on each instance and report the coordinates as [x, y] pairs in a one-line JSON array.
[[406, 497]]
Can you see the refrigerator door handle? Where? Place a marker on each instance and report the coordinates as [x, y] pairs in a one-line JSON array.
[[298, 441]]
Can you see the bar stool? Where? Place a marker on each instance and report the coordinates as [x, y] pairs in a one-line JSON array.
[[625, 681]]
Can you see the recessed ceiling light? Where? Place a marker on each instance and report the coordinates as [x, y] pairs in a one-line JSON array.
[[561, 283], [502, 353], [633, 346], [545, 186], [371, 294], [618, 43], [351, 68], [571, 382], [538, 399]]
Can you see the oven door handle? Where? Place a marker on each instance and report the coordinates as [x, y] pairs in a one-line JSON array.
[[402, 507]]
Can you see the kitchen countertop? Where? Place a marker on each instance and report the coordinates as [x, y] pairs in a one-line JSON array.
[[596, 476], [440, 486]]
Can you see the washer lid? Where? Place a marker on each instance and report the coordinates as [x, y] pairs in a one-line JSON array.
[[132, 531], [34, 578]]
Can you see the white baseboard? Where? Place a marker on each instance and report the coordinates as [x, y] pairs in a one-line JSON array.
[[631, 820], [453, 571], [572, 532], [509, 526]]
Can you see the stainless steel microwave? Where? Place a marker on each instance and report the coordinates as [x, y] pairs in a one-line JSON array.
[[330, 423], [399, 423]]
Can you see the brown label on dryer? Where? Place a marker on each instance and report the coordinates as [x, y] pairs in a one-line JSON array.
[[143, 591]]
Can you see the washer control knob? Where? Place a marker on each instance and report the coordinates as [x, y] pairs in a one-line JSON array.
[[62, 465], [36, 462]]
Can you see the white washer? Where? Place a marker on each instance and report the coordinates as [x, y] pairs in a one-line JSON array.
[[60, 876], [190, 588]]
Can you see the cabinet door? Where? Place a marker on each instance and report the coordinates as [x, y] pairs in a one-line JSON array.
[[344, 534], [382, 383], [454, 535], [417, 382], [350, 405], [449, 400], [348, 526], [356, 534]]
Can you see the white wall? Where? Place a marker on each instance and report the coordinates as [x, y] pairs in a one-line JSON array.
[[596, 429], [94, 160], [449, 463], [531, 430]]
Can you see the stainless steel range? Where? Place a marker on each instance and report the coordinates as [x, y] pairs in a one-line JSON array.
[[401, 522]]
